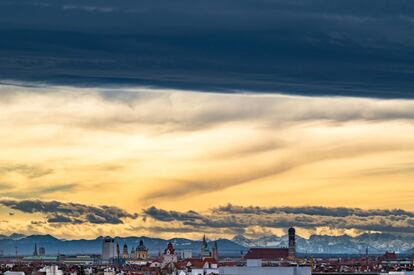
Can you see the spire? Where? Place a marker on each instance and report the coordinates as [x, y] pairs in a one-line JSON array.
[[205, 252]]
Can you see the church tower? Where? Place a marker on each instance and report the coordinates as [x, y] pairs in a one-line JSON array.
[[125, 252], [215, 254], [292, 242], [118, 251], [141, 251], [205, 252]]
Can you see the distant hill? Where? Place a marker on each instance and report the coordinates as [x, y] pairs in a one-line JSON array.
[[54, 246], [16, 236], [409, 251]]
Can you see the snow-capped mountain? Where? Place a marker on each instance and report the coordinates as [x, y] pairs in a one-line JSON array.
[[264, 241], [376, 243]]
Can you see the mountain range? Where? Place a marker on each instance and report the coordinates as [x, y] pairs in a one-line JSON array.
[[315, 244], [324, 244], [54, 246]]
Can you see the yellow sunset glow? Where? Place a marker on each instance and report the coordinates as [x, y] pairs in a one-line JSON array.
[[180, 150]]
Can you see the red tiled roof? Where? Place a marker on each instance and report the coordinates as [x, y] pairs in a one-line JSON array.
[[389, 256], [170, 248], [210, 260], [197, 263], [181, 264], [267, 253]]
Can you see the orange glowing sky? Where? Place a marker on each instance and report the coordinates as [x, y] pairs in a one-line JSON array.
[[134, 148]]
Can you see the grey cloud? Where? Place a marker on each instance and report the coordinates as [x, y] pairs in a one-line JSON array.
[[66, 212], [59, 188], [62, 219], [164, 215], [37, 222], [313, 210], [401, 169], [174, 115], [39, 190], [237, 218], [274, 112], [29, 171]]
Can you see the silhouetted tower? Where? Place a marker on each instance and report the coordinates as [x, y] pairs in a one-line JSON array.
[[35, 253], [205, 252], [132, 254], [215, 251], [118, 251], [41, 251], [292, 242]]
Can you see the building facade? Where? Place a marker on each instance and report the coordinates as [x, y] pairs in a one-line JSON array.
[[141, 252], [108, 248], [125, 254], [169, 257]]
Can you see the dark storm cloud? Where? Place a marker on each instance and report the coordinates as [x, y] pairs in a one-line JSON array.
[[65, 212], [237, 218], [328, 47]]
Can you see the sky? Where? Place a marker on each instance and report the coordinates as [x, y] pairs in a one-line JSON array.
[[179, 118]]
